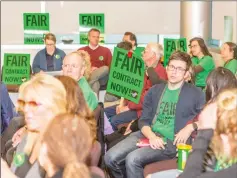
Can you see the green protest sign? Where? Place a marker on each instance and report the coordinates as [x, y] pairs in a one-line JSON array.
[[126, 77], [88, 21], [35, 26], [16, 68], [171, 45]]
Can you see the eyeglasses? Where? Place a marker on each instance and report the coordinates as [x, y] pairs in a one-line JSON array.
[[50, 44], [21, 104], [178, 69]]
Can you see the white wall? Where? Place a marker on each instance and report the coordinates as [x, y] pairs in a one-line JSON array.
[[219, 10], [139, 17]]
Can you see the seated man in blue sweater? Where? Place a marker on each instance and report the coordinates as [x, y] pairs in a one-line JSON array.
[[166, 110], [7, 108]]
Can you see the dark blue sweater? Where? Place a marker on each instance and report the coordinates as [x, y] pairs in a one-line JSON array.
[[190, 103]]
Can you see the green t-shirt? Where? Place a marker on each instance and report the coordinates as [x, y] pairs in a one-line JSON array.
[[138, 51], [88, 93], [231, 65], [165, 121], [207, 63]]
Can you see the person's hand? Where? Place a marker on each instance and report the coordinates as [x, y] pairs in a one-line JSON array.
[[118, 109], [208, 116], [183, 135], [5, 170], [93, 68], [128, 129], [41, 72], [17, 137], [123, 109], [156, 143]]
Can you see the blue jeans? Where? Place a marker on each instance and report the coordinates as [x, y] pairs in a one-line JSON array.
[[125, 159], [116, 119]]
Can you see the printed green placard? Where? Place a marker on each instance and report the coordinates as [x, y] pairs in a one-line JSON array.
[[88, 21], [16, 68], [35, 26], [126, 77], [171, 45]]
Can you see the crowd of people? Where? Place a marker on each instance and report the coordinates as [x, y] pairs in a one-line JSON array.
[[53, 130]]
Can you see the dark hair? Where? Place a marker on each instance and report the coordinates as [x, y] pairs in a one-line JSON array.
[[217, 80], [181, 56], [125, 45], [93, 30], [132, 37], [202, 46], [233, 47]]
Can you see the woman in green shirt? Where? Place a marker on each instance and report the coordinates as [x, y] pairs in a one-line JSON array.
[[202, 61], [229, 55]]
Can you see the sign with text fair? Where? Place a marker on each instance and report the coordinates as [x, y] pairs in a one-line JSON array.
[[89, 21], [126, 77], [171, 45], [16, 68], [35, 26]]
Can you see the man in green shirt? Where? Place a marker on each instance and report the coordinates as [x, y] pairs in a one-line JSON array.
[[74, 66], [202, 61], [130, 37]]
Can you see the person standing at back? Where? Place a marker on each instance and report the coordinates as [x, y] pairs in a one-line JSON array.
[[202, 61], [100, 61]]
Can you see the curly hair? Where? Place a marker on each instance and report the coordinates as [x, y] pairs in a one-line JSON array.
[[226, 124], [86, 57]]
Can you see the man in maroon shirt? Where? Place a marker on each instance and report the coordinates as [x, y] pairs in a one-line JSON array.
[[129, 110], [100, 60]]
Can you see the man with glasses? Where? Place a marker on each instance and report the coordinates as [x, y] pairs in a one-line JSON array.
[[128, 110], [167, 108]]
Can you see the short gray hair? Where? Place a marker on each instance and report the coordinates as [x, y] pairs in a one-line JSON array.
[[157, 49]]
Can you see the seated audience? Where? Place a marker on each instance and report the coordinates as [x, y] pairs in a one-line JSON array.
[[100, 61], [166, 110], [202, 61], [50, 58], [217, 80], [229, 55], [128, 111]]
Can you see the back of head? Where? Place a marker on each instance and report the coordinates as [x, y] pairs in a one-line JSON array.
[[226, 124], [68, 142], [219, 79], [75, 100], [86, 57], [125, 45]]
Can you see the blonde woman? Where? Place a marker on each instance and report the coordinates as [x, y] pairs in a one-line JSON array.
[[40, 99]]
